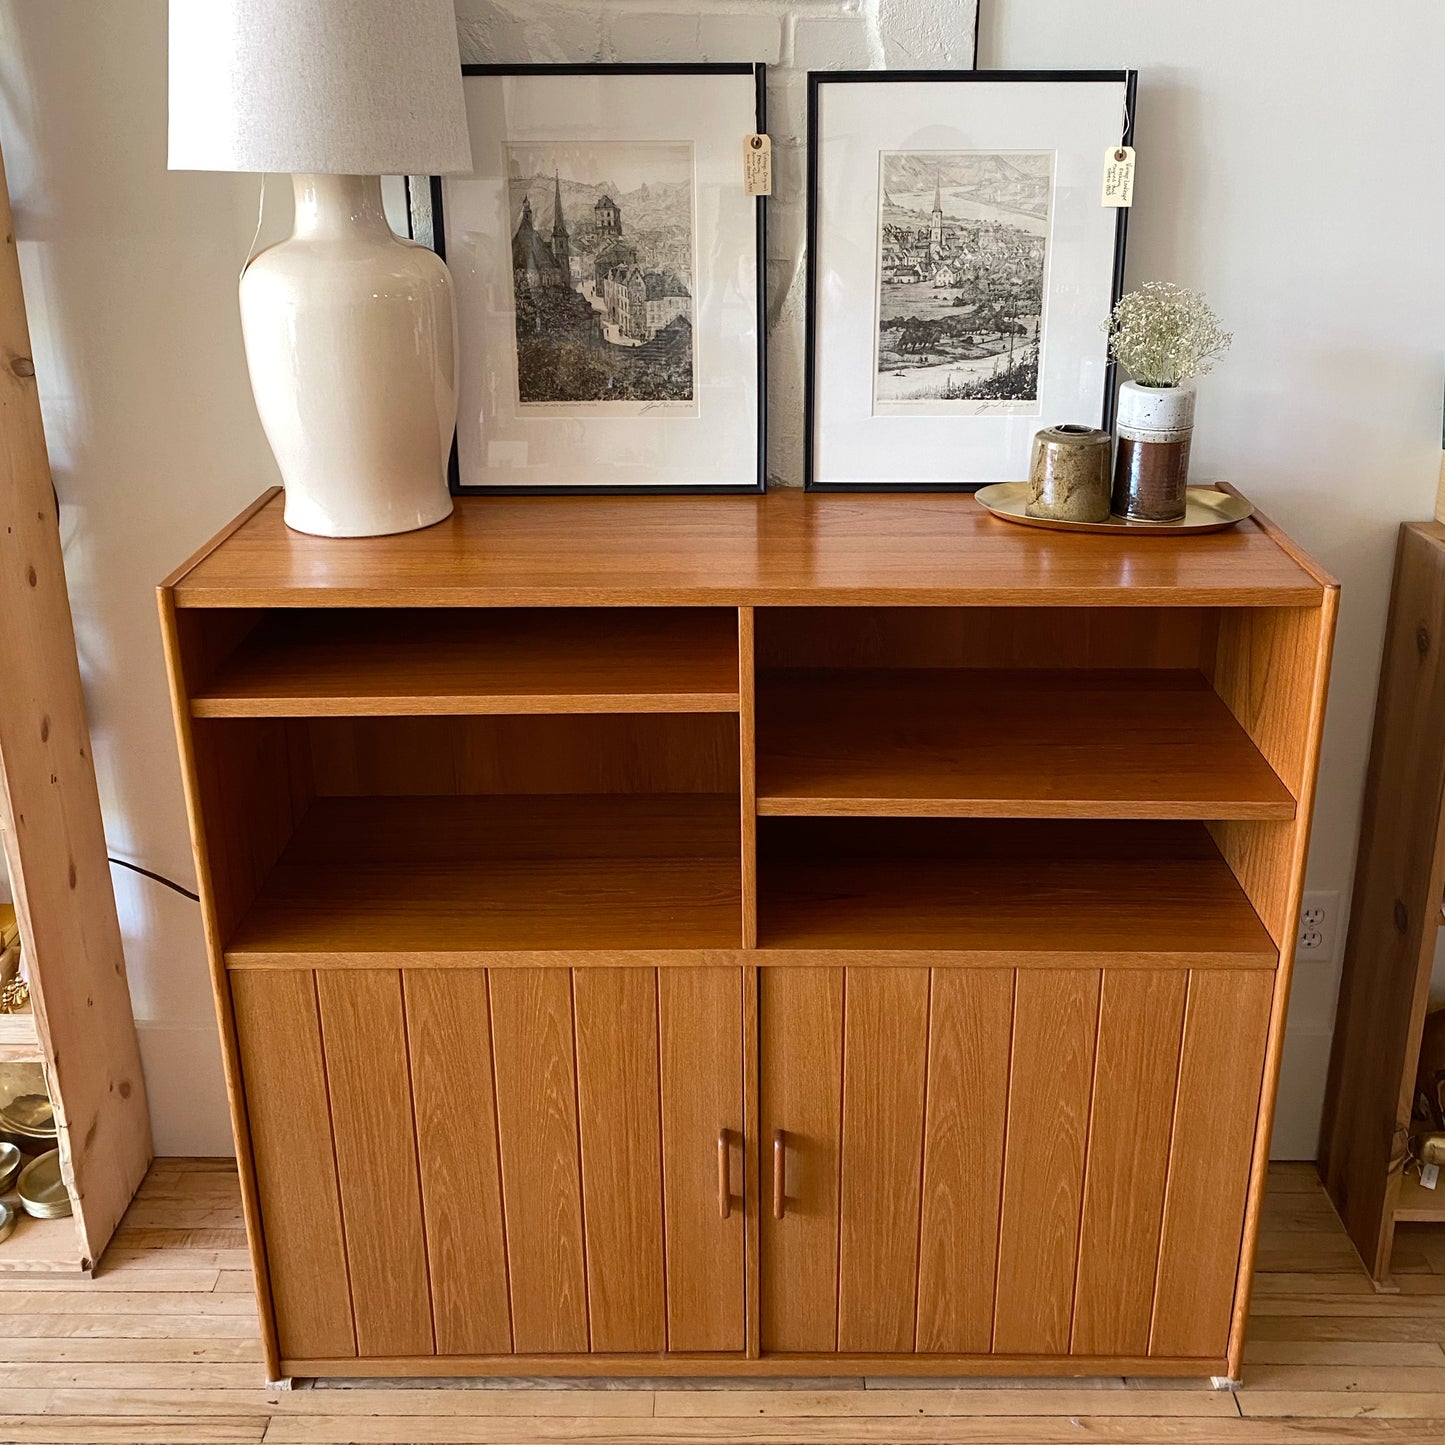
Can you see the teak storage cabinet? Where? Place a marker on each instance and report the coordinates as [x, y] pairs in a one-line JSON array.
[[778, 935]]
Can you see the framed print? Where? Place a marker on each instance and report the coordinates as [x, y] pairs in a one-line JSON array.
[[961, 267], [608, 272]]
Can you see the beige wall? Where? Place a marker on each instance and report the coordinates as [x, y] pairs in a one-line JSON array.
[[1289, 165]]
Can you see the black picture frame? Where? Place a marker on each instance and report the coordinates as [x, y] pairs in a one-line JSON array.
[[758, 70], [816, 80]]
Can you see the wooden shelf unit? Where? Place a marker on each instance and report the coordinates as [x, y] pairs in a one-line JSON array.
[[1395, 918], [545, 931]]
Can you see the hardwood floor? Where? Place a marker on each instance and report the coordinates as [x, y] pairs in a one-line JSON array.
[[161, 1349]]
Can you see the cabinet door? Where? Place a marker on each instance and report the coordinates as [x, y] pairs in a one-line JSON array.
[[1041, 1162], [475, 1162]]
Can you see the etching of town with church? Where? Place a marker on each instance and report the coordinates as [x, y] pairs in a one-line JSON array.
[[603, 276], [962, 265]]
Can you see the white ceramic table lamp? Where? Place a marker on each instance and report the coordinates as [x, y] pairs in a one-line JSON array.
[[351, 334]]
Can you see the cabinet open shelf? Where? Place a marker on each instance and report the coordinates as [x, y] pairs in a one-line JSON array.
[[1417, 1204], [413, 879], [1007, 743], [316, 663], [1155, 893]]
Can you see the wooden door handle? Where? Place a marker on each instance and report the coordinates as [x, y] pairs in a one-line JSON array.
[[724, 1174], [780, 1171]]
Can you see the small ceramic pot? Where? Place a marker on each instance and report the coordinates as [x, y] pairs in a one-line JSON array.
[[1151, 466], [1069, 475]]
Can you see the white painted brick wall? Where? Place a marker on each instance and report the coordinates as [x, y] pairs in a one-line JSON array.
[[792, 39]]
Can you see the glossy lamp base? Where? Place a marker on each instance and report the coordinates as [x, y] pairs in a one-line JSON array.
[[351, 341]]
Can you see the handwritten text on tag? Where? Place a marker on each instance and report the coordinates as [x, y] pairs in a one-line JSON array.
[[758, 165], [1119, 176]]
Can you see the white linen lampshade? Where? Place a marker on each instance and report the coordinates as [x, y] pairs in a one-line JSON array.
[[350, 332]]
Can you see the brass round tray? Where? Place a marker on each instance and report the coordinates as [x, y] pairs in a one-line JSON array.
[[41, 1189], [1205, 510]]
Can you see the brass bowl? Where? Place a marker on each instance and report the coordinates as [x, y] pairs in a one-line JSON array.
[[8, 1215], [28, 1116], [42, 1190], [10, 1161]]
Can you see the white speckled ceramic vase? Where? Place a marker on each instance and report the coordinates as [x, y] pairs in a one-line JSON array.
[[351, 341], [1155, 425]]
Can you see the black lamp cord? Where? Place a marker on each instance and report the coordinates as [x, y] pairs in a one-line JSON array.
[[158, 878]]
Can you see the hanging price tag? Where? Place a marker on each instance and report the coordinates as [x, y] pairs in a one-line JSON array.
[[758, 165], [1429, 1175], [1119, 176]]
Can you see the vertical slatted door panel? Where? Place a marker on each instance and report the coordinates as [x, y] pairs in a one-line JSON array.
[[969, 1028], [532, 1049], [885, 1053], [700, 1011], [1051, 1077], [449, 1037], [619, 1122], [800, 1044], [284, 1075], [363, 1030], [1226, 1020], [1141, 1018]]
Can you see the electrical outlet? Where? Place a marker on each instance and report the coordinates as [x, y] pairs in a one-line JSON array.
[[1317, 918]]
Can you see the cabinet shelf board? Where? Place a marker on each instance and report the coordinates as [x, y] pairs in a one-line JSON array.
[[308, 663], [1155, 891], [474, 874], [1010, 743], [1418, 1205]]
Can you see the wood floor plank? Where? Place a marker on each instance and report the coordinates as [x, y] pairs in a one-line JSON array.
[[174, 1430], [218, 1350], [920, 1430], [957, 1403]]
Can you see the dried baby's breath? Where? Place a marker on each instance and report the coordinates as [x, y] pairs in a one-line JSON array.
[[1163, 334]]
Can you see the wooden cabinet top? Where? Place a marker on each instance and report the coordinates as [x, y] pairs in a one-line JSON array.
[[785, 548]]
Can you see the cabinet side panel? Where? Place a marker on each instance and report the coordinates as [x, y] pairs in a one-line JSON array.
[[800, 1040], [700, 1010], [532, 1047], [1264, 670], [278, 1033], [449, 1043], [1141, 1019], [1221, 1065], [970, 1023], [363, 1031], [885, 1058], [1055, 1022], [254, 786], [618, 1115]]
